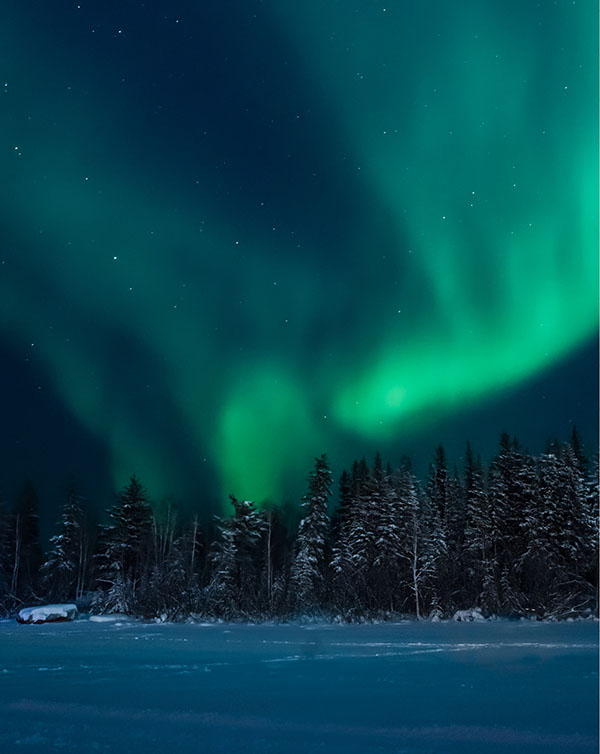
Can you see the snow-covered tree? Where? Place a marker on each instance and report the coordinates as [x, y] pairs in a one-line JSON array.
[[592, 500], [349, 561], [165, 590], [559, 538], [386, 572], [124, 554], [436, 517], [65, 570], [511, 489], [517, 539], [478, 559], [307, 579], [234, 584], [417, 546]]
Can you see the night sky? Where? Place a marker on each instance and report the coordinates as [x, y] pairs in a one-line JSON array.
[[239, 234]]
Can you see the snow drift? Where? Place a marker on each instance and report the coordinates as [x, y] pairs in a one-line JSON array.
[[47, 614]]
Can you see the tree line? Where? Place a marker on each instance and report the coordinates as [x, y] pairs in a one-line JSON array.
[[518, 538]]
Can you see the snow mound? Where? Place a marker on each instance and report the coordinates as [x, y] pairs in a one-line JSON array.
[[468, 616], [112, 618], [47, 614]]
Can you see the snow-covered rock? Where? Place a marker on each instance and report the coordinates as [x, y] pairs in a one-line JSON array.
[[47, 614], [468, 616]]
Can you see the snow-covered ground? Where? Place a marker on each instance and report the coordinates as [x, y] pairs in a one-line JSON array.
[[127, 687]]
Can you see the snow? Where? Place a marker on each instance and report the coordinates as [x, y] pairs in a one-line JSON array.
[[47, 613], [403, 688], [112, 618], [466, 616]]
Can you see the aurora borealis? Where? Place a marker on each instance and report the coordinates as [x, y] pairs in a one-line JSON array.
[[239, 234]]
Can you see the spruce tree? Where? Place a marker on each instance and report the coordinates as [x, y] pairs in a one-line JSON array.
[[478, 557], [234, 585], [125, 549], [344, 505], [65, 569], [555, 562], [512, 483], [388, 537], [437, 513], [308, 574], [223, 589]]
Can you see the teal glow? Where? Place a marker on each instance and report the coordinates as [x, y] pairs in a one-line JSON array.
[[424, 238]]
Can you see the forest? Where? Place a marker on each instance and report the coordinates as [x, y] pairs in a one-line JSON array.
[[515, 538]]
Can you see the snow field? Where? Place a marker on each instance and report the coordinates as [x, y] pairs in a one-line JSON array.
[[127, 686]]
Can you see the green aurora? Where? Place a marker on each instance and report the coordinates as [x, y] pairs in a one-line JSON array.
[[238, 234]]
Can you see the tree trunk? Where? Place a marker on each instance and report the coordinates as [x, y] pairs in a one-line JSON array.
[[17, 563], [415, 574]]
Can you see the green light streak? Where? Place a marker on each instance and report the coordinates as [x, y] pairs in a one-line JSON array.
[[472, 130], [263, 424], [491, 176]]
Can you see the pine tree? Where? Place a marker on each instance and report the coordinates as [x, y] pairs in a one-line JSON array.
[[354, 553], [223, 588], [437, 515], [65, 570], [591, 513], [308, 574], [344, 505], [521, 539], [388, 540], [478, 557], [580, 529], [579, 452], [537, 561], [234, 586], [437, 487], [556, 560], [125, 548], [343, 584], [512, 483]]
